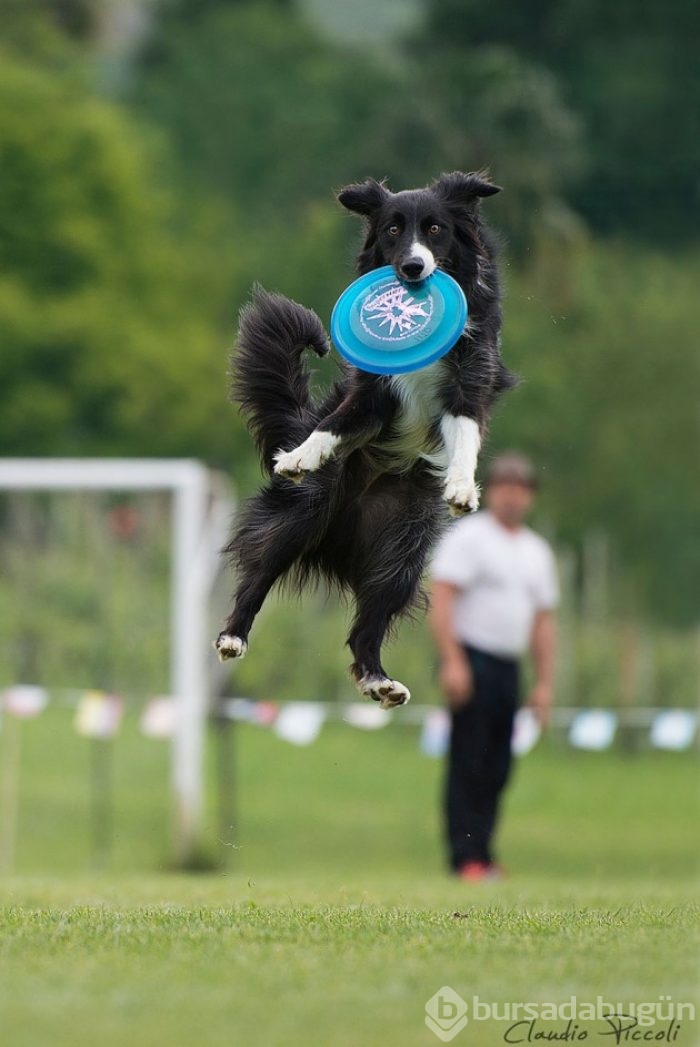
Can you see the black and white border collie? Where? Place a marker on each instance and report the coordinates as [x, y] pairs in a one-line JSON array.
[[359, 480]]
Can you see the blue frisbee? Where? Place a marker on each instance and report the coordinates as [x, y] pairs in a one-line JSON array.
[[387, 326]]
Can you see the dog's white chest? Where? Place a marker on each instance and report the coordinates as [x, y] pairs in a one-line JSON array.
[[419, 410], [418, 395]]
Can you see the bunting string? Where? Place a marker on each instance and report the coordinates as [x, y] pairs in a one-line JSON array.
[[100, 715]]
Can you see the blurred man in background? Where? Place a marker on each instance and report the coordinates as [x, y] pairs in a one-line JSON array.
[[494, 591]]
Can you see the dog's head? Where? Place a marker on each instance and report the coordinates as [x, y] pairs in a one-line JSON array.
[[417, 230]]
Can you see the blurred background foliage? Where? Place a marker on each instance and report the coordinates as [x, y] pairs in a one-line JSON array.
[[158, 156]]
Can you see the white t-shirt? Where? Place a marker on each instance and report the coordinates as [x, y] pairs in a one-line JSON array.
[[504, 578]]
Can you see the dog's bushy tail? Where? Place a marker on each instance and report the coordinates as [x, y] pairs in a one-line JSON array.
[[269, 380]]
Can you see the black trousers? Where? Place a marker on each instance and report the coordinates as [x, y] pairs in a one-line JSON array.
[[479, 758]]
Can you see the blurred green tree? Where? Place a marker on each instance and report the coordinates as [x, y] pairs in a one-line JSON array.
[[105, 303], [262, 111], [629, 73]]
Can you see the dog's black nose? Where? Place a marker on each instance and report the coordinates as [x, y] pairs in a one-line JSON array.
[[412, 268]]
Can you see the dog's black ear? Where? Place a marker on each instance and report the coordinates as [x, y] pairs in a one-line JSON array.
[[459, 188], [363, 198]]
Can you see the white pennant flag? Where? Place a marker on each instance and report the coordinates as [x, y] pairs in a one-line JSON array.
[[366, 717], [159, 717], [435, 736], [300, 722], [98, 715], [25, 701], [674, 730], [593, 729]]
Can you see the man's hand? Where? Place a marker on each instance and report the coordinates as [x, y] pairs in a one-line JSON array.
[[457, 680], [540, 701]]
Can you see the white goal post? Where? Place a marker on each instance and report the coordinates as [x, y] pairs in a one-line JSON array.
[[202, 506]]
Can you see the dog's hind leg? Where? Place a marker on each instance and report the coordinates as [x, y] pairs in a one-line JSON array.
[[254, 585], [274, 531], [365, 640], [397, 526]]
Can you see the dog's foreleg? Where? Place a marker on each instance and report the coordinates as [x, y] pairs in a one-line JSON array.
[[308, 456], [462, 438], [354, 423]]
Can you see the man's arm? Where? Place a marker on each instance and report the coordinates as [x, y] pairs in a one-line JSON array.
[[455, 671], [543, 647]]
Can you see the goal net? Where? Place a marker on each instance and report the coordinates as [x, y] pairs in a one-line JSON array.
[[106, 572]]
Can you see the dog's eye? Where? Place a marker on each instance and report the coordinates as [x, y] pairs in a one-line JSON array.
[[434, 229], [393, 230]]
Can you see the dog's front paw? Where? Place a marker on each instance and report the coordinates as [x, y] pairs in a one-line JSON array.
[[312, 454], [228, 646], [288, 465], [389, 693], [461, 494]]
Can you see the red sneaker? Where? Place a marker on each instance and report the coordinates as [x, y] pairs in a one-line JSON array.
[[475, 871]]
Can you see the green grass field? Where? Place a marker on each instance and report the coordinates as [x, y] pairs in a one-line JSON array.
[[334, 921]]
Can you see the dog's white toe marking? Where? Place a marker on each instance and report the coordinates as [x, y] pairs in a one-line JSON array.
[[389, 693], [311, 454], [461, 493], [230, 647]]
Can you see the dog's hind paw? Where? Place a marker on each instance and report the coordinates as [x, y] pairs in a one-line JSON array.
[[389, 693], [461, 495], [230, 647]]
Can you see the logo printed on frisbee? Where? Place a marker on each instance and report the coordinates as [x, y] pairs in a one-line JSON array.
[[387, 326], [395, 314]]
